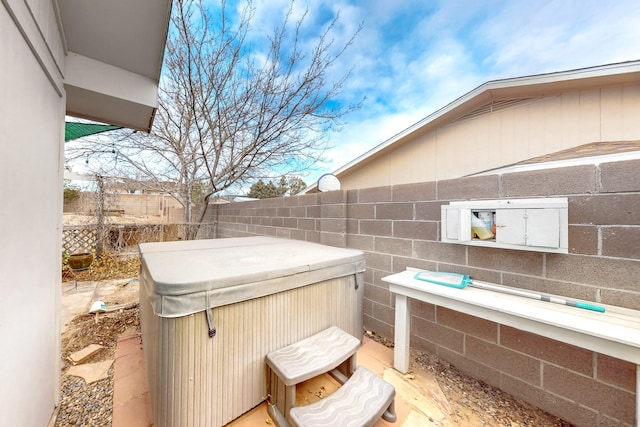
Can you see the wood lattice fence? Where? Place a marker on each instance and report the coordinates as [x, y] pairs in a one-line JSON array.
[[124, 238]]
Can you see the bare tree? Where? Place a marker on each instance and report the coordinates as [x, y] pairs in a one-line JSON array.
[[230, 112]]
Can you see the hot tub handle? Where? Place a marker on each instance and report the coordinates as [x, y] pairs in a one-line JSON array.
[[212, 327]]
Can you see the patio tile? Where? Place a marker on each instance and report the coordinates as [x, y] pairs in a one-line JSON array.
[[129, 364], [91, 372], [84, 354], [133, 413], [128, 343], [129, 387]]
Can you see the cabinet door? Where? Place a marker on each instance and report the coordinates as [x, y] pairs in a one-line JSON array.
[[511, 227], [543, 228], [528, 227], [456, 224]]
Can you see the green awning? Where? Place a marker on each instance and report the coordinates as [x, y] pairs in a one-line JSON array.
[[74, 130]]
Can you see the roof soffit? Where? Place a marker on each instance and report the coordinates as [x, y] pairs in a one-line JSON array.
[[127, 34], [114, 51]]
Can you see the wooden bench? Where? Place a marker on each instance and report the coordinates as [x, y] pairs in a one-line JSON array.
[[615, 333], [332, 351]]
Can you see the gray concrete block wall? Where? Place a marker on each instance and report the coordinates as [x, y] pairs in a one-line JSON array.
[[399, 226]]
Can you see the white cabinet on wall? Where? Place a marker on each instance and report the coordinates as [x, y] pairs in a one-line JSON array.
[[524, 224]]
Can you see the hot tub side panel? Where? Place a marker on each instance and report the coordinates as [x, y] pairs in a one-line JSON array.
[[200, 381]]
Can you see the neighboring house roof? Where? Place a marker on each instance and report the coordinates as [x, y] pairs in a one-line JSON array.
[[500, 94], [595, 153], [114, 51]]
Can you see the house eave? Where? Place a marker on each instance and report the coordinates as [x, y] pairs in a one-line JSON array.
[[618, 74], [114, 52]]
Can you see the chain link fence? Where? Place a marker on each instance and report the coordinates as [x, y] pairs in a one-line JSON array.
[[125, 238]]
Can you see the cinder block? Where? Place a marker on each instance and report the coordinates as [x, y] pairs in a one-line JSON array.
[[549, 182], [422, 309], [378, 261], [443, 252], [622, 242], [284, 212], [605, 209], [353, 227], [338, 240], [621, 298], [609, 273], [313, 211], [470, 325], [502, 359], [397, 211], [366, 211], [616, 372], [332, 197], [374, 195], [381, 328], [378, 295], [423, 345], [352, 196], [429, 211], [417, 230], [308, 199], [613, 401], [438, 334], [389, 245], [522, 262], [290, 222], [333, 211], [552, 403], [413, 192], [547, 286], [384, 313], [376, 227], [283, 233], [401, 263], [479, 187], [620, 176], [583, 239], [291, 201], [556, 352], [471, 367], [334, 225], [297, 234], [276, 222]]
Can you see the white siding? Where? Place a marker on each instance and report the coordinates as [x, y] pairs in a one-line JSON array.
[[506, 136], [31, 149]]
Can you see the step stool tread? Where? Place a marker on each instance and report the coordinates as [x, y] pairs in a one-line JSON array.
[[312, 356], [361, 401]]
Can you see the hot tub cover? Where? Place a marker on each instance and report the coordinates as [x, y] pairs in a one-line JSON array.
[[187, 277]]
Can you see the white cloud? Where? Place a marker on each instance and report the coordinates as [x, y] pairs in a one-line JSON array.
[[413, 57]]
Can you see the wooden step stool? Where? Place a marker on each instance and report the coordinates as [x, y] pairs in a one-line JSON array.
[[333, 351]]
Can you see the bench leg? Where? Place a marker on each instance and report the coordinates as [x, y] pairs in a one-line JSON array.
[[290, 399], [402, 333], [390, 414]]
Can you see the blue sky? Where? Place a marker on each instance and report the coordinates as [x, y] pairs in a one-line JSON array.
[[413, 57]]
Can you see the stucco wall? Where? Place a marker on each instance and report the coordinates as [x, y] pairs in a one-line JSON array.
[[504, 136], [31, 149], [399, 226]]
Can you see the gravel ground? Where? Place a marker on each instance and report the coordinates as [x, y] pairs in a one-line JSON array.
[[475, 403], [84, 404]]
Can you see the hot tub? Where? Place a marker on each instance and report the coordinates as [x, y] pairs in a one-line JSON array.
[[212, 309]]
